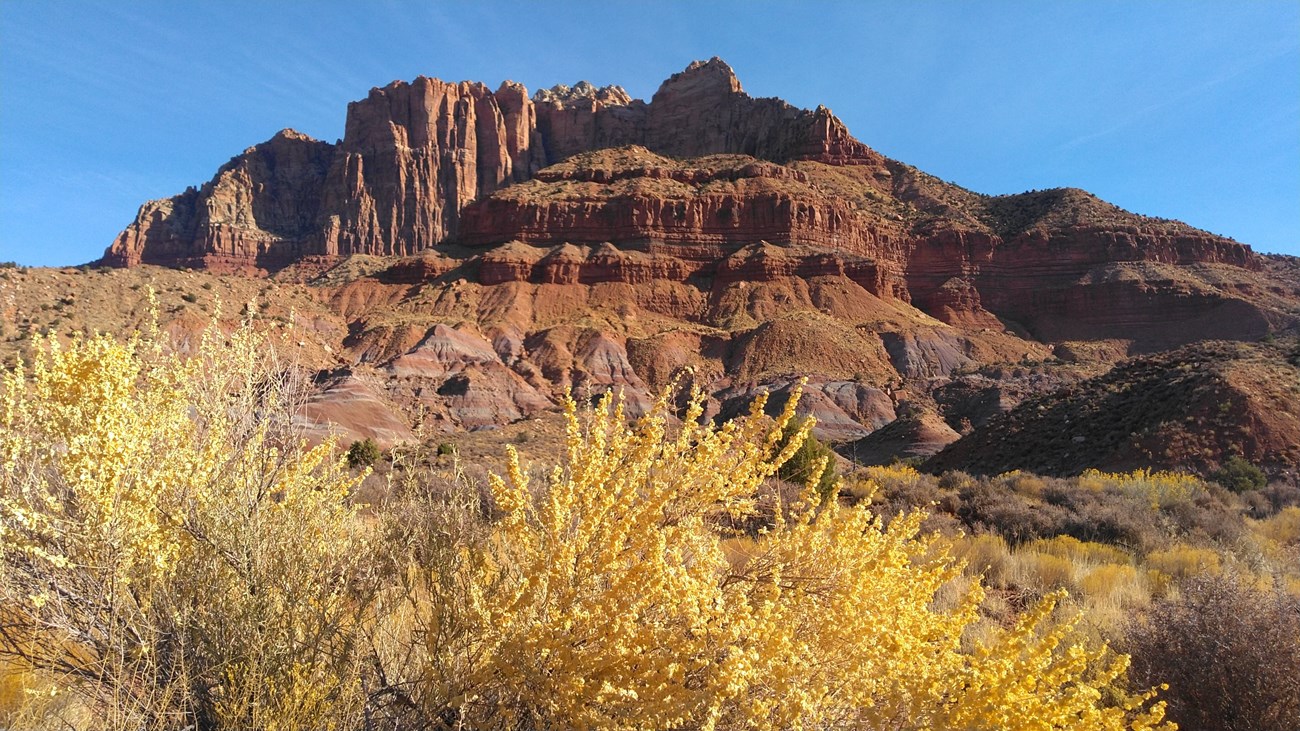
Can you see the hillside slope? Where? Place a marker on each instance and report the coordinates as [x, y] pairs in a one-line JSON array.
[[1189, 408]]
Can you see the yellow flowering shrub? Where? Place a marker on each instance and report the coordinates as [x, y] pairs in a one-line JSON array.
[[1159, 489], [1183, 562], [611, 594], [169, 554], [895, 476], [172, 556], [1080, 552]]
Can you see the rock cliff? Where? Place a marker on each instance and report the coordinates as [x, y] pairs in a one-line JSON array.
[[700, 172], [414, 155], [485, 250]]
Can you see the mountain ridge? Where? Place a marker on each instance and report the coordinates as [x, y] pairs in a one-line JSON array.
[[415, 154], [478, 252]]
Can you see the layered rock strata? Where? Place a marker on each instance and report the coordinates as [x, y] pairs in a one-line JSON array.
[[414, 155], [487, 250]]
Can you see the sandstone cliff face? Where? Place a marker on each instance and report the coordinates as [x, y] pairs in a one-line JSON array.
[[255, 213], [574, 120], [414, 155], [488, 249], [427, 163], [632, 195], [703, 110]]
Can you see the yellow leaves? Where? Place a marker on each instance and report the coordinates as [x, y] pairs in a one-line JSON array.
[[160, 520], [81, 441], [1159, 489], [612, 598], [150, 503]]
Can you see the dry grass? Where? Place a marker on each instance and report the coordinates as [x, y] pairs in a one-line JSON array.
[[1184, 562], [1282, 529], [14, 684]]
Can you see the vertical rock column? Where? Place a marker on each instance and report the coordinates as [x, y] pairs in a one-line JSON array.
[[413, 155]]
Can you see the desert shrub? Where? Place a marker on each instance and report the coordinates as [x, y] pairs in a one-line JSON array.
[[1239, 475], [1120, 585], [986, 555], [363, 453], [1143, 511], [1024, 483], [173, 556], [990, 506], [1185, 562], [604, 596], [1079, 552], [895, 489], [813, 460], [170, 555], [897, 477], [1271, 499], [1283, 528], [1158, 489], [446, 449], [955, 481], [1041, 573], [1230, 652]]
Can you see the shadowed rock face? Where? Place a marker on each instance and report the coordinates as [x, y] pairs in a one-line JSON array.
[[253, 214], [1189, 408]]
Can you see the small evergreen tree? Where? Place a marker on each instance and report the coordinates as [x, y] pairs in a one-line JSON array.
[[811, 455], [1239, 475], [363, 453]]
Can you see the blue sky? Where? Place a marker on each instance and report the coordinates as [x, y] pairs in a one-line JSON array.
[[1187, 110]]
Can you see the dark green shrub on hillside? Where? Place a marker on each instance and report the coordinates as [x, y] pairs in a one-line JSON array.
[[799, 468], [363, 453], [1239, 475]]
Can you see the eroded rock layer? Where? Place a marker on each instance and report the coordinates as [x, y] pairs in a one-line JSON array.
[[484, 251], [414, 155]]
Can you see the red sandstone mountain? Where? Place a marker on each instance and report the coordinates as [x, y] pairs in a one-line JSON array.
[[427, 164], [413, 156], [580, 238]]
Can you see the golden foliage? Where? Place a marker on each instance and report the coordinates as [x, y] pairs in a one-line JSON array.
[[167, 551], [1182, 562], [985, 554], [870, 482], [174, 557], [1159, 489], [1283, 529], [900, 476], [1080, 552], [610, 597]]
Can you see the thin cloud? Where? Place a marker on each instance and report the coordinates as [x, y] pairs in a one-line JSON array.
[[1188, 93]]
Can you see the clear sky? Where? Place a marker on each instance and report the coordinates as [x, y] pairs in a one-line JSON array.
[[1181, 109]]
